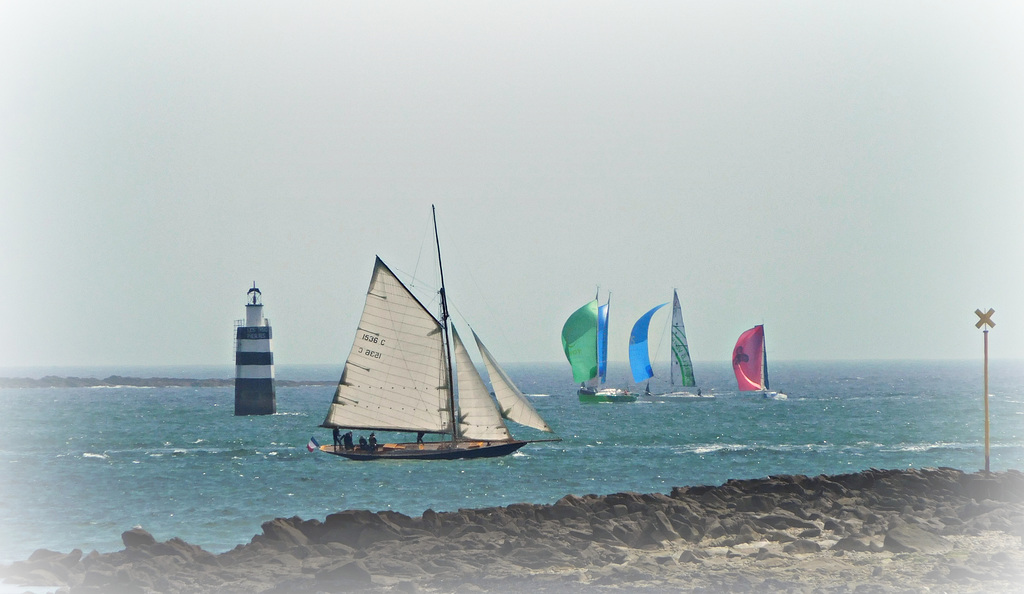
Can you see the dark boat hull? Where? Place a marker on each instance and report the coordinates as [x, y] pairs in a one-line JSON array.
[[430, 451]]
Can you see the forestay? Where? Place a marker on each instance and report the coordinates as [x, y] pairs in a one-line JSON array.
[[394, 377]]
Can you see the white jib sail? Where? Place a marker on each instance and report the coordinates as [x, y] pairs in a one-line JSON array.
[[394, 377], [478, 414], [514, 405]]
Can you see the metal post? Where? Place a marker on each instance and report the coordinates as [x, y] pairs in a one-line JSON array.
[[985, 319], [986, 402]]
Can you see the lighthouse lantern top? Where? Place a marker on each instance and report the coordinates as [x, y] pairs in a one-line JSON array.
[[254, 296]]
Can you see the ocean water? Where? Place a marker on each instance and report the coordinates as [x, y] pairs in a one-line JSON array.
[[80, 466]]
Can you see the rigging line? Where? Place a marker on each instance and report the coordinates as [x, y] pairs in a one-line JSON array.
[[419, 255], [425, 286], [480, 296]]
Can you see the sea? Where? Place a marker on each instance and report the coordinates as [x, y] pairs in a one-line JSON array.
[[79, 466]]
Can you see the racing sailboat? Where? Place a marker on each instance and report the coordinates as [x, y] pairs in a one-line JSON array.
[[398, 377], [585, 343], [680, 364], [750, 364]]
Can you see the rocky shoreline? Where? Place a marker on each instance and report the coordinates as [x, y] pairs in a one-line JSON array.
[[874, 531]]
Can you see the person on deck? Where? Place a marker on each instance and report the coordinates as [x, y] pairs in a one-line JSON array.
[[337, 438], [373, 442], [347, 440], [363, 445], [419, 437]]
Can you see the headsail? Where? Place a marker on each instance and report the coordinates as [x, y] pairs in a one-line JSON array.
[[639, 354], [579, 341], [394, 377], [681, 367], [478, 415], [748, 360], [514, 406]]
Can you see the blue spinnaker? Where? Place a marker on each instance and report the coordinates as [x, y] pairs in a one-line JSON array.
[[639, 357], [602, 342]]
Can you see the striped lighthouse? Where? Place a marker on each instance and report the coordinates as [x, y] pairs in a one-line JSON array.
[[254, 360]]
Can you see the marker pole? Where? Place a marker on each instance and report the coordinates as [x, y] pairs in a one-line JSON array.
[[986, 402]]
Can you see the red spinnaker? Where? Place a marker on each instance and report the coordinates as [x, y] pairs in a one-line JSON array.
[[748, 359]]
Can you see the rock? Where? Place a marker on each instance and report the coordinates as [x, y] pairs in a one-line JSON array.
[[684, 528], [746, 534], [351, 572], [853, 543], [692, 556], [911, 539], [781, 521], [601, 533], [778, 536], [664, 527], [282, 531], [756, 503], [137, 537], [802, 546]]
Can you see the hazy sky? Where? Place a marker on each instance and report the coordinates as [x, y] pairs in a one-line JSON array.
[[850, 174]]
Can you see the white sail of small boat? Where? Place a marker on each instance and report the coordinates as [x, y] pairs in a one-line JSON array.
[[750, 364], [398, 377], [680, 365]]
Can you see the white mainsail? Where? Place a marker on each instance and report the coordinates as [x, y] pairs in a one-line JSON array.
[[395, 374], [514, 405], [478, 415], [681, 369]]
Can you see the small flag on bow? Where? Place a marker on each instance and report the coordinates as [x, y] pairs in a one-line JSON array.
[[313, 444]]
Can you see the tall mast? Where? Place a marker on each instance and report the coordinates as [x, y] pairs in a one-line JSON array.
[[764, 353], [447, 340]]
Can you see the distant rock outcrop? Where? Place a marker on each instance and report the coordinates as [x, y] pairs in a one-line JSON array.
[[116, 381]]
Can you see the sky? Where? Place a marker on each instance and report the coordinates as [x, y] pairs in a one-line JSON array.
[[849, 174]]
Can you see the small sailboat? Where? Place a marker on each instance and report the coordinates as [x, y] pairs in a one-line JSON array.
[[398, 377], [680, 364], [750, 363], [585, 342]]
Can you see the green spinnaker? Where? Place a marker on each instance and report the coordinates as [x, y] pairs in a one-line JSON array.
[[579, 341]]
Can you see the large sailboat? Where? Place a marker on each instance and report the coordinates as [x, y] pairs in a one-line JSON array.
[[585, 342], [750, 364], [398, 377], [680, 364]]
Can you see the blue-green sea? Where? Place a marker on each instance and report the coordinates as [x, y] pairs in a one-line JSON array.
[[79, 466]]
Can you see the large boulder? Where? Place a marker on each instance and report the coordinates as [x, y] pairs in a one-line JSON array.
[[907, 538], [137, 537]]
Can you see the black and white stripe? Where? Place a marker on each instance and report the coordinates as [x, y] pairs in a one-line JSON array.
[[254, 371]]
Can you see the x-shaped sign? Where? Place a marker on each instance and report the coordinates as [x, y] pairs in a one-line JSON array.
[[986, 318]]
